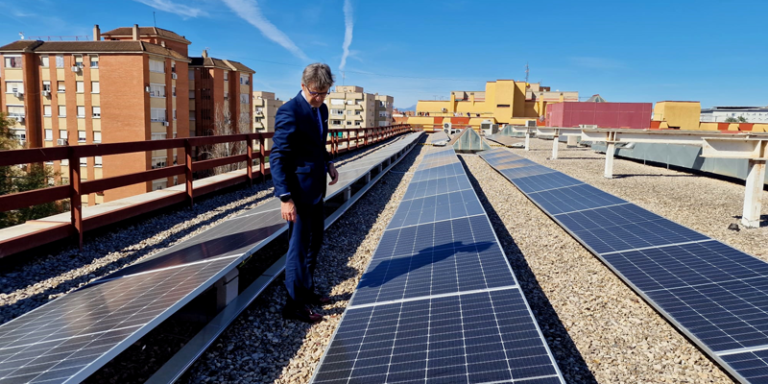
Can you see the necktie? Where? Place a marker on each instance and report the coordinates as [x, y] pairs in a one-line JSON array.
[[319, 119]]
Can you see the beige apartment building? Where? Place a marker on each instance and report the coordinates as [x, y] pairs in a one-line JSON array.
[[265, 106], [128, 84], [350, 107]]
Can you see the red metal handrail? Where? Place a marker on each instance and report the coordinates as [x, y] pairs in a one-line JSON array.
[[77, 187]]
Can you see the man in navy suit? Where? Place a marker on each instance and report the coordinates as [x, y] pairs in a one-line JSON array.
[[299, 163]]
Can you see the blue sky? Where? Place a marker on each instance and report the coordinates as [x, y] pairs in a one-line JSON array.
[[643, 51]]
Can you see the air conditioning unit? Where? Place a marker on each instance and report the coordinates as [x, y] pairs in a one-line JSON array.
[[18, 94], [174, 76], [61, 142], [147, 89], [447, 126], [75, 68], [530, 124], [20, 119], [165, 123], [444, 109], [46, 93]]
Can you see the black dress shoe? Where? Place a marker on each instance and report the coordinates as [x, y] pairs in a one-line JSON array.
[[301, 313]]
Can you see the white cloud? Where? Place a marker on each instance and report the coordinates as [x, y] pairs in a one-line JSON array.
[[171, 7], [349, 25], [249, 11]]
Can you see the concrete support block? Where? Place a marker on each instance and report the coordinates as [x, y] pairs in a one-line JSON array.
[[609, 152], [367, 177], [527, 141], [227, 289], [347, 194], [555, 141], [750, 218], [572, 141]]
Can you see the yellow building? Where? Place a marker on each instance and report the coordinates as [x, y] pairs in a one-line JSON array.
[[502, 102], [265, 106]]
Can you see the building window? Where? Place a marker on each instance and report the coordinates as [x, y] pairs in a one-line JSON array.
[[157, 66], [79, 87], [191, 74], [191, 94], [257, 120], [47, 86], [244, 80], [62, 111], [97, 161], [94, 61], [79, 60], [158, 114], [158, 136], [191, 115], [97, 137], [47, 110], [96, 112], [65, 162], [337, 102], [337, 112], [14, 86], [13, 61], [59, 61], [81, 139], [95, 87], [45, 61], [60, 87], [174, 91], [226, 95], [174, 114], [156, 90], [83, 161], [158, 162], [336, 122], [80, 111], [244, 98], [48, 134], [16, 111], [173, 66], [226, 75]]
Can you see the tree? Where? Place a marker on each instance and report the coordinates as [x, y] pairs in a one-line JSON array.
[[739, 119], [15, 179], [224, 124]]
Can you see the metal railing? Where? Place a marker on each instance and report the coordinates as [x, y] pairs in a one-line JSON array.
[[77, 187]]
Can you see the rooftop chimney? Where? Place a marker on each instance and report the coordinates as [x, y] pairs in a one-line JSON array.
[[136, 32], [96, 33], [205, 53]]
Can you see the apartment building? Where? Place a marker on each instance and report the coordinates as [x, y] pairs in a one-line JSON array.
[[350, 107], [220, 100], [128, 84], [384, 105], [265, 107]]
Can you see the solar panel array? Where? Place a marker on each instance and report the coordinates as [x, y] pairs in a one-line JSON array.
[[71, 337], [504, 140], [713, 293], [438, 301]]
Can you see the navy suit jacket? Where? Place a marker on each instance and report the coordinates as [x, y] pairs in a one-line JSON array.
[[298, 160]]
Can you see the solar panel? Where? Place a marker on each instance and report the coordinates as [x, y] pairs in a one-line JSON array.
[[433, 187], [439, 301], [715, 294], [573, 198], [446, 206], [432, 259], [71, 337], [485, 337]]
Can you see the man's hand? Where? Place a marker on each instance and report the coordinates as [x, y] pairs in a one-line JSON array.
[[333, 173], [288, 210]]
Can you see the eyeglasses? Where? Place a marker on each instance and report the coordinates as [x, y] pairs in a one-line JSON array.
[[311, 93]]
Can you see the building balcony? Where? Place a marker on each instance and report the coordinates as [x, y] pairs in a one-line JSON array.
[[354, 107]]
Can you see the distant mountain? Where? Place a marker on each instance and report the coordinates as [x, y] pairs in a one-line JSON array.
[[411, 108]]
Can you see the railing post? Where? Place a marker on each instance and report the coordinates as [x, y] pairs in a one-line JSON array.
[[262, 158], [75, 199], [249, 144], [188, 171]]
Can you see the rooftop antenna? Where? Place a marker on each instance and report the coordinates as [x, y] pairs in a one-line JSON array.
[[154, 18], [22, 35], [526, 74]]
